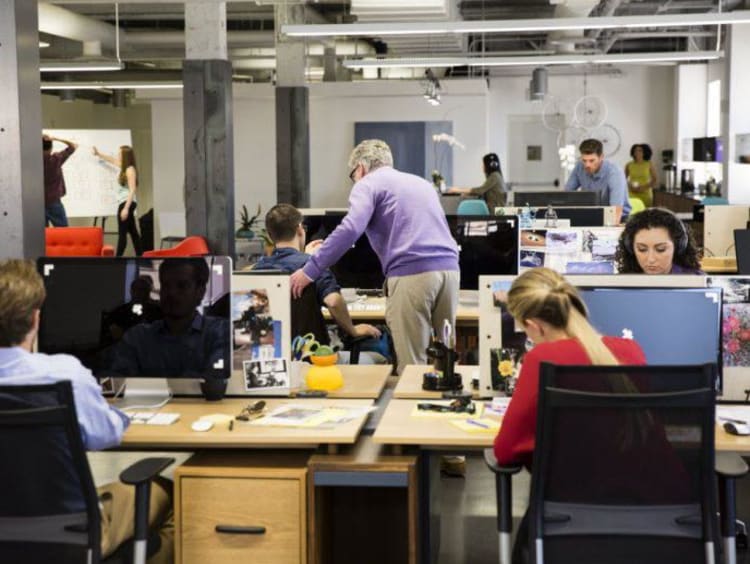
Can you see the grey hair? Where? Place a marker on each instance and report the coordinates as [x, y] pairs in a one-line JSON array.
[[373, 153]]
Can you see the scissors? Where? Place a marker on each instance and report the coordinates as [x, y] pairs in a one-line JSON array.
[[447, 334], [303, 346]]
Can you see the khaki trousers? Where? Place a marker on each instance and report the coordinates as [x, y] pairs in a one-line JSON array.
[[415, 305], [117, 504]]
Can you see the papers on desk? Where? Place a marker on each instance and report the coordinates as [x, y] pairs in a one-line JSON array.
[[483, 425], [302, 415], [733, 414], [152, 418]]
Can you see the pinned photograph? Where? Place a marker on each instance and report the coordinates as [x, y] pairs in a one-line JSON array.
[[531, 259], [265, 375], [563, 241]]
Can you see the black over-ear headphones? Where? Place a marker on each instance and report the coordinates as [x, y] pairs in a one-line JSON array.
[[491, 162], [680, 245]]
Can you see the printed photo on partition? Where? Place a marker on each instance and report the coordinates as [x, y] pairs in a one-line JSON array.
[[735, 327], [500, 293], [601, 243], [265, 374], [590, 267], [256, 334], [531, 259], [533, 238], [561, 240]]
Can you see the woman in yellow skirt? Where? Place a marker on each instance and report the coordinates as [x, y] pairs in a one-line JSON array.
[[641, 174]]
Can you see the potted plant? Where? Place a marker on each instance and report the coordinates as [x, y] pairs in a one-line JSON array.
[[246, 223]]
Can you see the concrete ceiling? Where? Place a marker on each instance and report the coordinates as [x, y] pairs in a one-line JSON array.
[[151, 33]]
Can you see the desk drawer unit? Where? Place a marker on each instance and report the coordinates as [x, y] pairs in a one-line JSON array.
[[233, 513]]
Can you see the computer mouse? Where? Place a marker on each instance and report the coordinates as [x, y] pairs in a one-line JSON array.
[[737, 428], [202, 425]]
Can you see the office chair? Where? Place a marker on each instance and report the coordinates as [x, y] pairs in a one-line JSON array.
[[50, 509], [473, 207], [636, 205], [308, 318], [624, 469], [193, 246], [76, 242]]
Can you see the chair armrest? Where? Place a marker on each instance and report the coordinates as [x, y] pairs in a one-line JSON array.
[[730, 465], [491, 462], [108, 251], [144, 470]]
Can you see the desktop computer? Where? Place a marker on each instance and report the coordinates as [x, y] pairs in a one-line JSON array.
[[487, 245], [144, 320]]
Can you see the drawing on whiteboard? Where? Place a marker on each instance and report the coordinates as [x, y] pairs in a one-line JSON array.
[[90, 182]]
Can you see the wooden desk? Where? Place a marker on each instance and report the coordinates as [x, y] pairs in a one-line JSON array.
[[244, 435], [409, 384], [719, 265], [361, 381], [398, 427]]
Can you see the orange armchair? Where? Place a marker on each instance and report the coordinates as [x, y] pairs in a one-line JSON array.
[[76, 242], [193, 246]]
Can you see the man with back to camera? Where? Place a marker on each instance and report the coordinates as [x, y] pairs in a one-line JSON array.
[[54, 181], [284, 226], [596, 174], [184, 343], [401, 215], [102, 425]]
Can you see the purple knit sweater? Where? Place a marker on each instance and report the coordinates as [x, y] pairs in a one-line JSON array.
[[401, 215]]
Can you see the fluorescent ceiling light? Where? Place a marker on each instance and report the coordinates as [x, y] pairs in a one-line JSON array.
[[80, 66], [43, 44], [514, 26], [110, 85], [537, 60]]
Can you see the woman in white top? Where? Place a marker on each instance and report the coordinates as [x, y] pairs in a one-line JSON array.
[[126, 200]]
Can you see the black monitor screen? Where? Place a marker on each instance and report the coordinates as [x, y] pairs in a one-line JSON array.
[[579, 217], [556, 198], [360, 266], [487, 245], [672, 325], [159, 318]]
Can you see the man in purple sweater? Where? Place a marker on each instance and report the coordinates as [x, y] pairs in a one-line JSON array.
[[401, 215]]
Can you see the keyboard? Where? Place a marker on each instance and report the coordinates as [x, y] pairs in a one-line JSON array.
[[365, 307]]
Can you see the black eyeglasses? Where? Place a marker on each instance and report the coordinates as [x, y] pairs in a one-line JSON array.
[[351, 174]]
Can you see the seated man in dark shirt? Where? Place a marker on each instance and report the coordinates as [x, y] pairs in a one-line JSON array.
[[184, 343], [284, 227], [139, 309]]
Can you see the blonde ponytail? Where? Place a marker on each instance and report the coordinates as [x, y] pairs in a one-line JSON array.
[[544, 294]]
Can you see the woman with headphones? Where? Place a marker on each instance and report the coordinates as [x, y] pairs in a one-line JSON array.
[[493, 189], [655, 241]]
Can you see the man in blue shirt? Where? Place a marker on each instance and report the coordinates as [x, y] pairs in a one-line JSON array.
[[102, 426], [284, 227], [595, 174]]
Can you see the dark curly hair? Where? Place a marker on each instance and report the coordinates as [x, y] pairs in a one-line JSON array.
[[651, 218], [647, 152]]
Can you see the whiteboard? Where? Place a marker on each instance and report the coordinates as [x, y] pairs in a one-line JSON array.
[[91, 183]]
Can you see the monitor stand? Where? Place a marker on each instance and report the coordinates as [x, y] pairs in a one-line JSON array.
[[144, 392]]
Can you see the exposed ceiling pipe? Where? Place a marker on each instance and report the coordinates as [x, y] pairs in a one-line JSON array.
[[64, 23], [176, 39], [614, 38], [607, 9], [569, 9]]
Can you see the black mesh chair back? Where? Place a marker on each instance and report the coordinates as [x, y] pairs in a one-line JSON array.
[[307, 317], [624, 465], [49, 509]]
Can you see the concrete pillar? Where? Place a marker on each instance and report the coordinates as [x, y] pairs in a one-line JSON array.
[[21, 175], [209, 132], [292, 113], [736, 126]]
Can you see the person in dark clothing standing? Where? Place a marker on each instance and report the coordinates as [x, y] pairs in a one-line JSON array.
[[54, 181]]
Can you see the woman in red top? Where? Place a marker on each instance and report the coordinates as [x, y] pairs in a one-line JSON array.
[[554, 318]]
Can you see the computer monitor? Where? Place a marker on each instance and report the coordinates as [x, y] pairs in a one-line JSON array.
[[359, 267], [742, 250], [139, 318], [672, 325], [487, 245], [555, 198], [593, 216]]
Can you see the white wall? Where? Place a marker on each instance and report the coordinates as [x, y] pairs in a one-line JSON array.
[[738, 174], [334, 108], [639, 104]]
